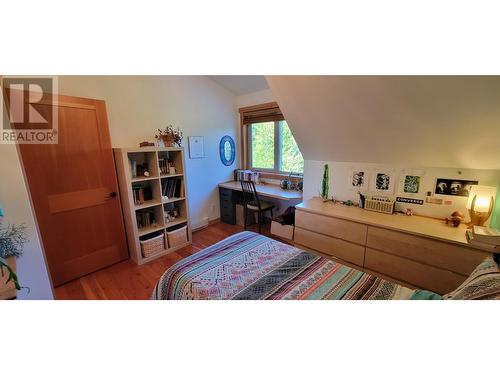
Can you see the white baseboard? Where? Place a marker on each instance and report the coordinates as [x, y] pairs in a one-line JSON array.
[[199, 224]]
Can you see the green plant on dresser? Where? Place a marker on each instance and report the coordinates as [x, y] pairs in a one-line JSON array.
[[324, 184]]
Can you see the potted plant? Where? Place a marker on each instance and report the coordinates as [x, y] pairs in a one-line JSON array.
[[170, 136], [324, 184], [12, 240]]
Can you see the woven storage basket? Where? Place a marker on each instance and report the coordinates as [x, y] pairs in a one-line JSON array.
[[177, 237], [153, 246], [377, 204]]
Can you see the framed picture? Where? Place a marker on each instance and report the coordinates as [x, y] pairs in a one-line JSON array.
[[411, 183], [459, 188], [383, 182], [358, 179], [196, 147]]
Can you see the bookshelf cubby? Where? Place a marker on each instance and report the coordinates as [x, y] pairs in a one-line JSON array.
[[154, 202]]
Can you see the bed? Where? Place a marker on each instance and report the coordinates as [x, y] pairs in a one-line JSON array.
[[249, 266]]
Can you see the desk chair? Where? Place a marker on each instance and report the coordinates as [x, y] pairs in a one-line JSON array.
[[252, 202]]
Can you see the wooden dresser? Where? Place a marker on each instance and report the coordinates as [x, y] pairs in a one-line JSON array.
[[412, 250]]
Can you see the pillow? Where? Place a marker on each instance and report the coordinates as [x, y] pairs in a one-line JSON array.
[[483, 283]]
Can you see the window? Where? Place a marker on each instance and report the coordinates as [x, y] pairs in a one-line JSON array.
[[267, 141], [290, 155], [262, 145], [272, 147]]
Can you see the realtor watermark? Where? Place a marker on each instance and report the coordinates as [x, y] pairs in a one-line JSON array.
[[29, 112]]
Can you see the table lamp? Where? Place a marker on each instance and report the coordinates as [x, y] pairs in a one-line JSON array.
[[480, 204]]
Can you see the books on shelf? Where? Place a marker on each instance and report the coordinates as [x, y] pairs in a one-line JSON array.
[[171, 188], [133, 168], [142, 193], [145, 218], [138, 170], [166, 166]]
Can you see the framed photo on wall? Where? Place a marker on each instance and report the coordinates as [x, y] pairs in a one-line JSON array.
[[383, 182], [456, 187], [196, 147], [411, 182], [358, 179]]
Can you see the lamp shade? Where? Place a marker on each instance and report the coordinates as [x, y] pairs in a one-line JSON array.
[[483, 196]]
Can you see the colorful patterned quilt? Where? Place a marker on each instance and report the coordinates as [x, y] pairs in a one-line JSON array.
[[250, 266]]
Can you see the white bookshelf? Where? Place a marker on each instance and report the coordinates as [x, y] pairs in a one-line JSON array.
[[158, 204]]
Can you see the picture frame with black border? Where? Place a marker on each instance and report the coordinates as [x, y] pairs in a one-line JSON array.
[[383, 181], [454, 187], [358, 179]]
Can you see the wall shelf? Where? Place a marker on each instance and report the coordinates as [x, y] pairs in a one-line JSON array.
[[175, 222], [147, 204], [150, 229], [141, 179], [172, 175], [126, 160], [171, 200]]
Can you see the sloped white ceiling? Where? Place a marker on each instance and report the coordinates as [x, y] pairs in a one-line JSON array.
[[441, 121], [241, 85]]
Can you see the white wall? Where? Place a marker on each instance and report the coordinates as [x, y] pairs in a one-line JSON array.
[[138, 105], [339, 183], [254, 98], [31, 267]]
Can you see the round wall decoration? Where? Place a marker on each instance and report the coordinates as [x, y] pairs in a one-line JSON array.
[[227, 150]]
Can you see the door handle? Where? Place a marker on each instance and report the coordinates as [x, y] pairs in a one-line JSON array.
[[113, 194]]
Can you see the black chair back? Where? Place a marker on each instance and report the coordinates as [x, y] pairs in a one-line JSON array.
[[250, 193]]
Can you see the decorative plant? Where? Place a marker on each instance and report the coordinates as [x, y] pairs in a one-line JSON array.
[[170, 135], [12, 240], [324, 184], [4, 267]]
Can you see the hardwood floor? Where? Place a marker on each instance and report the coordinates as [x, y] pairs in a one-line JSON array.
[[127, 280]]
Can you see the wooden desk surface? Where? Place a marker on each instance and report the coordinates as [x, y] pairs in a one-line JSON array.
[[422, 226], [268, 190]]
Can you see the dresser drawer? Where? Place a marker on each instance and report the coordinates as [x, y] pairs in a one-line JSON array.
[[225, 192], [224, 196], [228, 217], [332, 246], [331, 226], [455, 258], [411, 272], [227, 208]]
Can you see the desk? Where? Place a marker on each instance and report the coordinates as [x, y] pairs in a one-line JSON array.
[[268, 190], [230, 194]]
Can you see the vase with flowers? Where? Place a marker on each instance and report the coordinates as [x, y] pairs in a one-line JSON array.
[[170, 136]]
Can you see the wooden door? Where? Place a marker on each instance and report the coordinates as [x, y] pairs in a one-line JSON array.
[[74, 190]]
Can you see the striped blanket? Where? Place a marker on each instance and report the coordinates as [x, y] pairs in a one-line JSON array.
[[251, 266]]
